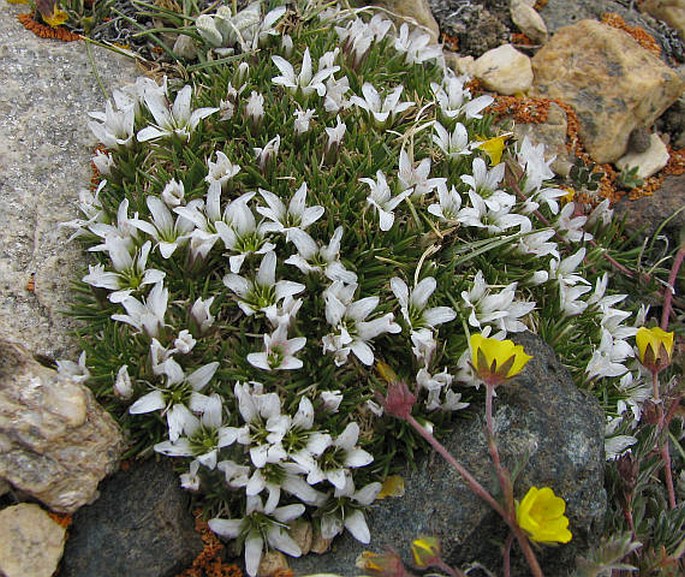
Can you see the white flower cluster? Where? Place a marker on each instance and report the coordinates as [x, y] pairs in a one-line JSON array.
[[292, 282]]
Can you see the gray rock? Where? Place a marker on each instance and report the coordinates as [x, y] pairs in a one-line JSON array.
[[56, 442], [48, 88], [31, 543], [141, 526], [545, 424], [646, 215]]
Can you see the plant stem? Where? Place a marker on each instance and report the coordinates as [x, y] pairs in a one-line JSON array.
[[663, 441], [481, 492], [506, 555], [502, 473], [670, 288]]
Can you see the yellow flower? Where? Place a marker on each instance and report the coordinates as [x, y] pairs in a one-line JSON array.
[[655, 347], [541, 515], [494, 147], [426, 551], [52, 14], [496, 361]]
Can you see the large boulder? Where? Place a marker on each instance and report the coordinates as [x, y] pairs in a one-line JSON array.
[[544, 424], [141, 526], [613, 84], [56, 442], [670, 11]]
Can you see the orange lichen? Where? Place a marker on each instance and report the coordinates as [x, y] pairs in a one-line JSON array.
[[450, 42], [540, 4], [209, 563], [29, 22], [62, 519], [639, 34], [520, 39]]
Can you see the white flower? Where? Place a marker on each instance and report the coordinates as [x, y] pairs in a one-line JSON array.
[[178, 400], [424, 345], [454, 144], [131, 271], [413, 304], [495, 221], [305, 82], [335, 100], [609, 357], [77, 372], [177, 119], [254, 109], [302, 120], [331, 400], [115, 126], [296, 216], [335, 135], [190, 481], [381, 110], [270, 151], [260, 526], [348, 511], [146, 316], [382, 200], [634, 391], [485, 184], [169, 233], [571, 227], [123, 388], [448, 206], [347, 317], [184, 342], [325, 260], [454, 100], [200, 315], [333, 464], [174, 193], [263, 291], [221, 171], [536, 243], [417, 178], [416, 45], [279, 351], [532, 158], [500, 310], [103, 162], [243, 236]]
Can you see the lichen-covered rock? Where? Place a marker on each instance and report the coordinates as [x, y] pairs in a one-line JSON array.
[[504, 70], [31, 543], [613, 84], [56, 442], [141, 526], [670, 11], [48, 88], [545, 425]]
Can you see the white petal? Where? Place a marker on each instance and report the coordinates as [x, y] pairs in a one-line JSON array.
[[153, 401], [228, 528], [355, 523]]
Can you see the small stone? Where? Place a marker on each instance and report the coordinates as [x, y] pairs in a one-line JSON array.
[[272, 562], [528, 21], [302, 533], [648, 162], [460, 64], [31, 543], [639, 139], [613, 84], [417, 10], [57, 442], [504, 70]]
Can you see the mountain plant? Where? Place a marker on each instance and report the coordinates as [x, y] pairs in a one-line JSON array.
[[321, 194]]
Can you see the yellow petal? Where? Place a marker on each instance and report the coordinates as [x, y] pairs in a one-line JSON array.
[[57, 18], [393, 486], [425, 551], [494, 147]]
